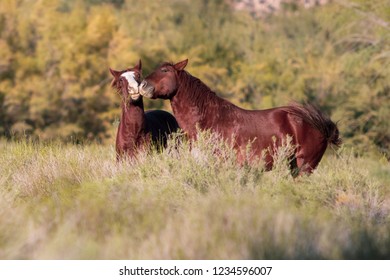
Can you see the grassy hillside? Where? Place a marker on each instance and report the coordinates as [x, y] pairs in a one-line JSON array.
[[75, 202]]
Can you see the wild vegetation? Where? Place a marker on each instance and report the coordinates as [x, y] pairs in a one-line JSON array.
[[66, 201], [63, 196]]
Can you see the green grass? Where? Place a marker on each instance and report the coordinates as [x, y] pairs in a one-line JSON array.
[[75, 202]]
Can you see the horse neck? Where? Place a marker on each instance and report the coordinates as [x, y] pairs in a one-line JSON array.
[[193, 96], [132, 124]]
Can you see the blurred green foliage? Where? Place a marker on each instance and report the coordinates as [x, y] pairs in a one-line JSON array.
[[55, 54]]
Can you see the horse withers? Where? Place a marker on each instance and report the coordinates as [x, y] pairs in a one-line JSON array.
[[137, 129], [194, 105]]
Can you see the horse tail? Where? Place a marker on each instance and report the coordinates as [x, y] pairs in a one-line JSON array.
[[313, 116]]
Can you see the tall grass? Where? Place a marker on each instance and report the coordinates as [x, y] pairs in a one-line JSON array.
[[75, 202]]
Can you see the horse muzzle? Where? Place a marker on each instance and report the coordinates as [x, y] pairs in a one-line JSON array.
[[133, 93], [146, 90]]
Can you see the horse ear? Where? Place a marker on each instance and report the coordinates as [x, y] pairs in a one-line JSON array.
[[181, 65], [139, 66], [115, 73]]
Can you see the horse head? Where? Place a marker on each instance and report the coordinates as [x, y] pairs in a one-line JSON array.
[[126, 82], [163, 81]]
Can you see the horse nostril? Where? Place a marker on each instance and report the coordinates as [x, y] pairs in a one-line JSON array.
[[143, 84]]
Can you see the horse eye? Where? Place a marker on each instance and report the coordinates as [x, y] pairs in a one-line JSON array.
[[164, 70]]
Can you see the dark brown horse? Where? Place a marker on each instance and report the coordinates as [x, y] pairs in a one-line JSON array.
[[195, 105], [137, 129]]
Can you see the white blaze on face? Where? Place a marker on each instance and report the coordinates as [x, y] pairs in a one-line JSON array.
[[132, 83]]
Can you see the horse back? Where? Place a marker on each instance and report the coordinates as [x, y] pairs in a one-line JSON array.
[[263, 126], [159, 124]]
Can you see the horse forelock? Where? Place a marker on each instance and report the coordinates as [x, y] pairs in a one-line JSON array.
[[167, 64], [131, 77]]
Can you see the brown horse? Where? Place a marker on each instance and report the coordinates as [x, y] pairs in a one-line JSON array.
[[137, 129], [195, 105]]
